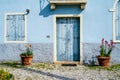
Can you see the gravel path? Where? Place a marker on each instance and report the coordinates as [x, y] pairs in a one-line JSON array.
[[40, 71]]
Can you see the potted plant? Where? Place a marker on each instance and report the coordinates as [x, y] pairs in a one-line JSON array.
[[27, 56], [105, 51]]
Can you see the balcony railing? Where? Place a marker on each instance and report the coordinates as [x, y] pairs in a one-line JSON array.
[[82, 3]]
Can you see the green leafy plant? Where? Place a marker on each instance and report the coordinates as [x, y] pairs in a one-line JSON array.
[[4, 75], [115, 67], [106, 48], [28, 52]]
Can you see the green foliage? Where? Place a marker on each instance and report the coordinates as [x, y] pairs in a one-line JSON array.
[[12, 64], [28, 52], [4, 75], [110, 68], [44, 66], [114, 67]]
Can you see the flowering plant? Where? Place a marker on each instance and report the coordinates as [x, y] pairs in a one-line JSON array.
[[28, 52], [106, 48]]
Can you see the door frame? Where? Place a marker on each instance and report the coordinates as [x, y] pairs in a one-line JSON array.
[[55, 41]]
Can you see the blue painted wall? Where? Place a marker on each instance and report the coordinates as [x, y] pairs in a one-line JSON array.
[[97, 20], [97, 24]]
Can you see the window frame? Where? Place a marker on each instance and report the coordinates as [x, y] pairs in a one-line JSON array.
[[114, 10], [5, 28]]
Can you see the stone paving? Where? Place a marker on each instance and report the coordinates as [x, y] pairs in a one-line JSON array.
[[41, 71]]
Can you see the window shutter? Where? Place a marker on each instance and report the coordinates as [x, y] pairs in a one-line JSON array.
[[15, 27]]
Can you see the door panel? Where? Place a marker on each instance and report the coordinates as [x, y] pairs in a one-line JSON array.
[[68, 39], [76, 40]]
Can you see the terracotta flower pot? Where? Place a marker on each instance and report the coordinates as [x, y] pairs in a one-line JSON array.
[[103, 61], [26, 60]]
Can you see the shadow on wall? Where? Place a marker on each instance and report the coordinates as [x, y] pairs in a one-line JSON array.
[[63, 9]]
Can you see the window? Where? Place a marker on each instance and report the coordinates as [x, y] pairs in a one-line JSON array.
[[15, 28], [116, 21]]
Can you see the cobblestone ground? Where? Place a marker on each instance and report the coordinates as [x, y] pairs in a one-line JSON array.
[[41, 71]]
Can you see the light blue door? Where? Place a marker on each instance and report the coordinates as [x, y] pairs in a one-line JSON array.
[[68, 39]]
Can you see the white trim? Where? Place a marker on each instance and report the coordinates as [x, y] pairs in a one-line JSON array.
[[68, 1], [81, 37], [5, 28], [113, 21], [114, 25], [113, 9], [55, 42], [115, 3], [20, 13], [55, 45], [25, 28]]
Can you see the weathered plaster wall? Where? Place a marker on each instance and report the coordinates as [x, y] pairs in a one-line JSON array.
[[43, 52], [91, 50]]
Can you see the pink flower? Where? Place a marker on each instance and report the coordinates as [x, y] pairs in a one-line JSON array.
[[108, 45], [102, 40], [111, 41], [106, 42], [28, 45]]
